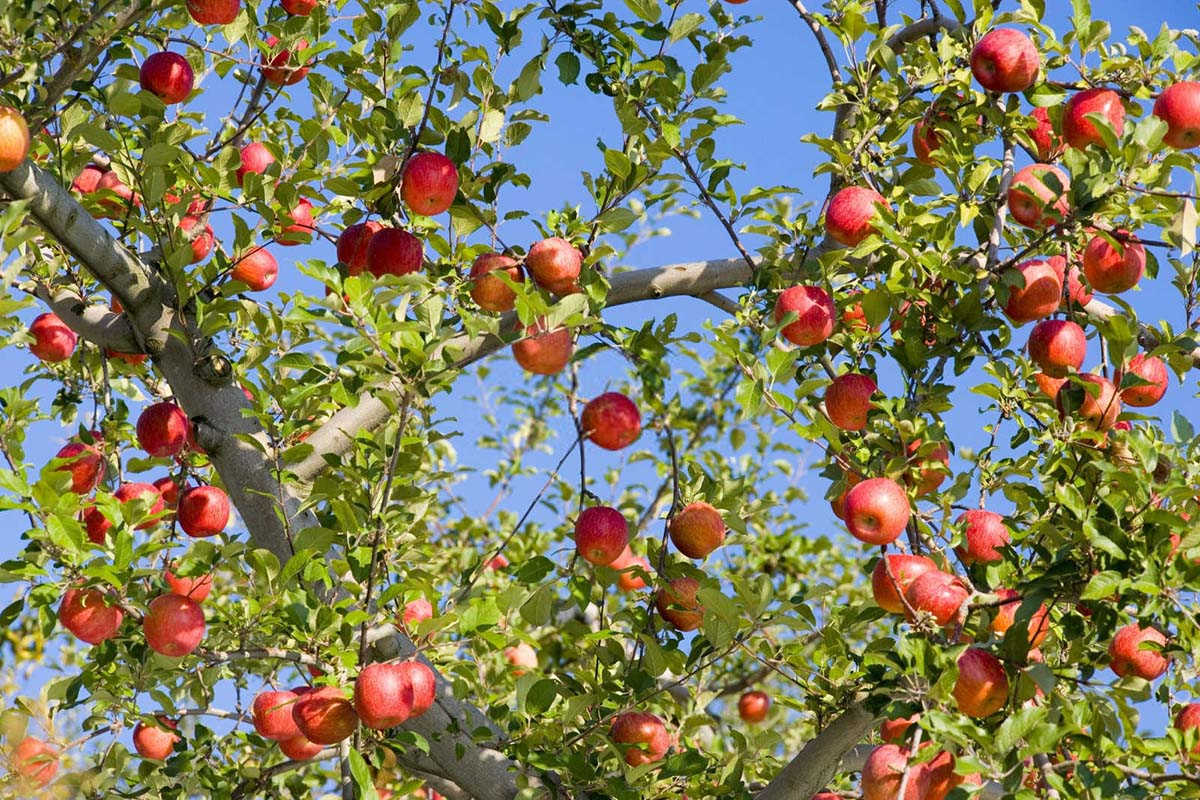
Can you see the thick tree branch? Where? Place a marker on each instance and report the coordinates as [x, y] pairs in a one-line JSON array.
[[93, 322], [818, 761]]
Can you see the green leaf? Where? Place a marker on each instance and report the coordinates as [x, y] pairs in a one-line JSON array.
[[685, 25], [568, 67], [362, 776], [646, 9], [538, 608], [1101, 586]]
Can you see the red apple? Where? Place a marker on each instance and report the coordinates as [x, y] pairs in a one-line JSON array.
[[1179, 107], [627, 564], [352, 245], [167, 75], [88, 179], [1113, 268], [941, 777], [194, 587], [98, 525], [1078, 292], [753, 706], [854, 318], [86, 466], [35, 761], [937, 593], [87, 614], [201, 243], [424, 685], [932, 469], [1049, 384], [838, 503], [543, 352], [1137, 651], [14, 139], [555, 264], [1041, 294], [850, 213], [1005, 60], [611, 421], [984, 533], [521, 658], [1148, 368], [169, 490], [53, 340], [1057, 346], [281, 70], [1047, 143], [1187, 719], [982, 686], [213, 12], [258, 269], [163, 430], [1099, 410], [1006, 615], [393, 251], [697, 530], [848, 399], [116, 197], [677, 604], [173, 625], [255, 158], [814, 315], [203, 511], [155, 741], [487, 290], [272, 715], [1078, 130], [601, 533], [417, 611], [299, 8], [301, 227], [1039, 195], [884, 771], [925, 137], [325, 716], [429, 183], [877, 510], [905, 569], [299, 748], [383, 696], [895, 731], [644, 733], [497, 562]]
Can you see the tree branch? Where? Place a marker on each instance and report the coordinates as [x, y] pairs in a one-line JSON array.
[[94, 322], [818, 761]]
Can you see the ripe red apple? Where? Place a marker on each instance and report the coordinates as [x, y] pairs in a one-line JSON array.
[[848, 399], [678, 605], [169, 490], [877, 510], [838, 503], [299, 8], [280, 69], [937, 593], [98, 525], [35, 761], [1148, 368], [644, 733], [905, 569], [86, 465], [1041, 294], [850, 213], [1057, 346], [521, 658], [302, 225], [697, 530], [203, 511], [201, 243], [601, 533], [272, 715], [155, 741], [167, 75], [383, 696], [854, 318], [941, 777], [1113, 268], [88, 179], [814, 314], [1099, 410], [429, 183], [352, 245], [163, 429], [611, 421], [487, 290], [87, 614], [255, 158], [555, 264], [543, 352], [497, 562], [416, 612], [753, 706], [1179, 107], [895, 731], [931, 470], [213, 12], [1048, 384], [324, 715], [1047, 143], [1078, 292], [14, 139], [1078, 130], [984, 533], [53, 340], [116, 196], [1137, 651], [1039, 195], [299, 748], [393, 251], [195, 587], [1005, 60], [629, 580], [258, 269], [173, 625], [884, 771], [1187, 719], [1006, 615], [982, 686], [925, 137]]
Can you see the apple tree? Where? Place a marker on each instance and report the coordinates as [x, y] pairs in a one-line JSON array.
[[369, 474]]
